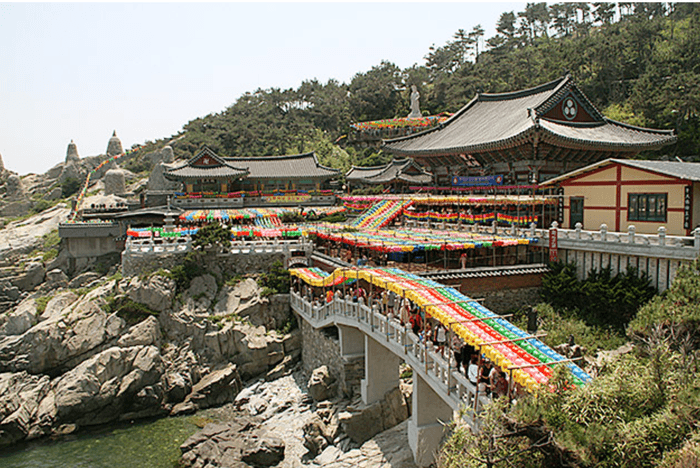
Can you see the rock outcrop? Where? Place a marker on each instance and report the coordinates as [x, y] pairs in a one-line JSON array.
[[15, 189], [128, 349], [115, 182], [158, 182], [321, 384], [312, 434], [364, 422]]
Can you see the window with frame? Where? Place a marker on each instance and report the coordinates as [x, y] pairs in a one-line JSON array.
[[646, 207]]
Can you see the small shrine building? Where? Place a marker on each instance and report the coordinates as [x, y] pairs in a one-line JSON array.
[[208, 172], [399, 174]]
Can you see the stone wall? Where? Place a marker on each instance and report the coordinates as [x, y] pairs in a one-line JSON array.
[[134, 263], [320, 348], [505, 300]]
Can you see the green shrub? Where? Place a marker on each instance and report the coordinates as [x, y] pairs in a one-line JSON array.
[[288, 326], [212, 234], [70, 186], [292, 217], [560, 324], [334, 218], [41, 205], [185, 272], [132, 312], [678, 308], [41, 303], [275, 281], [601, 299]]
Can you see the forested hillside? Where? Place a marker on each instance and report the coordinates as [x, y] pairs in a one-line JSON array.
[[638, 63]]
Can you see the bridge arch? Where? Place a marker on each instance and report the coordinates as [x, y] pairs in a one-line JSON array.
[[439, 390]]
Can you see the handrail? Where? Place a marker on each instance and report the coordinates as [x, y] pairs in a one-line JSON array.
[[451, 385]]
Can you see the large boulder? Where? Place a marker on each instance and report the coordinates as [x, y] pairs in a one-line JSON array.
[[219, 445], [16, 208], [62, 339], [56, 278], [115, 182], [72, 170], [361, 424], [156, 292], [216, 388], [33, 275], [15, 188], [157, 180], [263, 452], [315, 440], [21, 319], [203, 291], [144, 333], [20, 395], [321, 384], [103, 387], [57, 305]]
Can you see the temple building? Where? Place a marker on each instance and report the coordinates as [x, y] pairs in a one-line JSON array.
[[525, 136], [630, 192], [399, 174], [208, 172]]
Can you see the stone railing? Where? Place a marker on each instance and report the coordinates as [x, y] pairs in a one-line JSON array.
[[658, 245], [184, 244], [159, 246], [451, 385]]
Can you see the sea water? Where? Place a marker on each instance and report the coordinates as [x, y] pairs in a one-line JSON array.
[[142, 444]]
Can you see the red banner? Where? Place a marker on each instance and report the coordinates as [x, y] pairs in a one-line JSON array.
[[553, 245]]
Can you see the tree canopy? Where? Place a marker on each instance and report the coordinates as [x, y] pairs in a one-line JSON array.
[[637, 62]]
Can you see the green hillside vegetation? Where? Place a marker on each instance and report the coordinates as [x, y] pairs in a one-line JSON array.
[[640, 411], [638, 62]]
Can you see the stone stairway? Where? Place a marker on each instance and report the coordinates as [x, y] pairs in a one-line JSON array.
[[380, 214]]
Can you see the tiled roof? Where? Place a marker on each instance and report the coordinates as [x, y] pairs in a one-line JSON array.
[[219, 172], [218, 168], [681, 170], [608, 134], [359, 172], [499, 121], [299, 166], [394, 170]]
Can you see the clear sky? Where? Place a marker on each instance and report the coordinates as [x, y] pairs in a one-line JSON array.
[[81, 70]]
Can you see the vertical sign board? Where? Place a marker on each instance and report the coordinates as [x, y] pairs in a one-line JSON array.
[[553, 245], [560, 206], [687, 207]]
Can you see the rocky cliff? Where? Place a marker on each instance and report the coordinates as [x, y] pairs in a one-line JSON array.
[[124, 348]]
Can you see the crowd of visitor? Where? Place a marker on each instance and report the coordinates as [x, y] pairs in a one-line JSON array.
[[482, 373]]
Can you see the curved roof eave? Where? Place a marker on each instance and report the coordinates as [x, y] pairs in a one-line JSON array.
[[509, 142], [576, 143]]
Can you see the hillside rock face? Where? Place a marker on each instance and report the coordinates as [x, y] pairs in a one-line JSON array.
[[128, 349], [115, 182], [157, 181], [15, 188]]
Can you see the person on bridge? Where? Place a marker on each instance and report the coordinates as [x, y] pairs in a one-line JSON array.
[[440, 338], [484, 378], [473, 369], [329, 296], [416, 323]]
